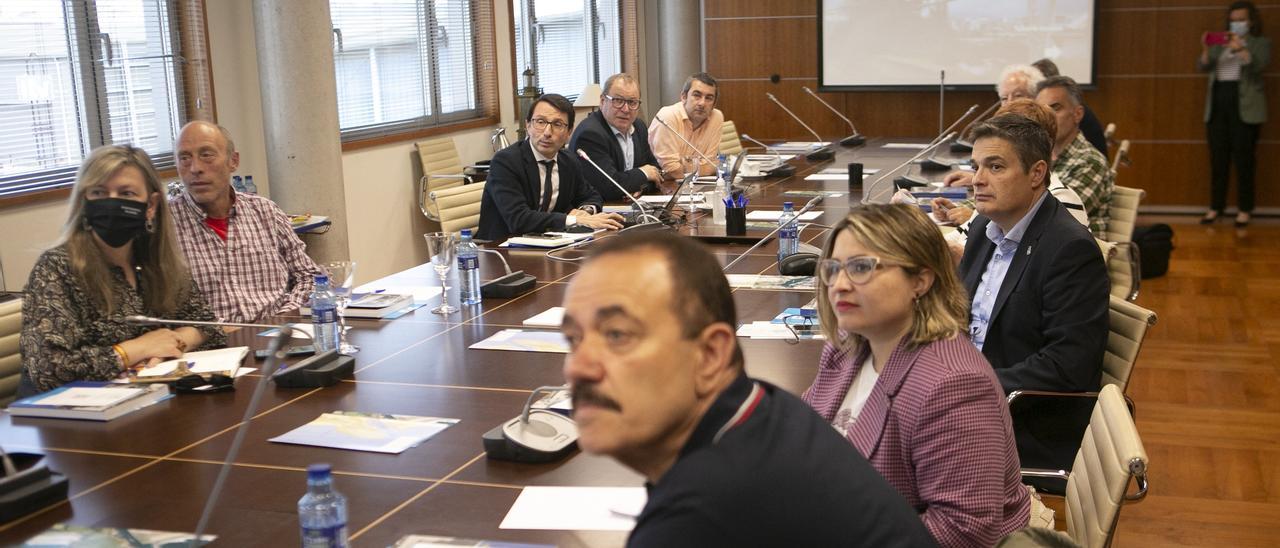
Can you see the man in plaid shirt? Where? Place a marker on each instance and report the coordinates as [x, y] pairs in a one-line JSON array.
[[242, 250], [1080, 166]]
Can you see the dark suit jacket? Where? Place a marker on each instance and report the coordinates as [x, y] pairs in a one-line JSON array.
[[595, 137], [1093, 131], [1048, 327], [513, 191]]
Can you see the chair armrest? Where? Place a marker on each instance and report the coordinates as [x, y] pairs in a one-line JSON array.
[[424, 193], [1013, 396], [1135, 270], [1045, 473]]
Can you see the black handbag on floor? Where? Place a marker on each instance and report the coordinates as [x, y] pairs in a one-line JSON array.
[[1155, 244]]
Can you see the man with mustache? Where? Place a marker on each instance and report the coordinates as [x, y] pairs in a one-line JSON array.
[[242, 250], [618, 142], [697, 119], [658, 383], [534, 186], [1039, 287]]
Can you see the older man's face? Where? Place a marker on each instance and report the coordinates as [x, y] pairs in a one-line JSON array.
[[631, 369], [616, 105], [1016, 86]]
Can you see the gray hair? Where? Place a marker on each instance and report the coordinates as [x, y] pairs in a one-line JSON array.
[[1064, 82], [1032, 75]]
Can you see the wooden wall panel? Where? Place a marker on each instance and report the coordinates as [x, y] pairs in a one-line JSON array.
[[1146, 84]]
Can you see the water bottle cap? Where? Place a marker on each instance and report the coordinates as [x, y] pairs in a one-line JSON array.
[[318, 471], [787, 205], [321, 279], [466, 233]]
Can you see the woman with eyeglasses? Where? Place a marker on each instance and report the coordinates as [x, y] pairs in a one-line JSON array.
[[901, 381], [117, 257]]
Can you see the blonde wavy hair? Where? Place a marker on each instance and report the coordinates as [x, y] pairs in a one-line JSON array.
[[903, 235], [163, 272]]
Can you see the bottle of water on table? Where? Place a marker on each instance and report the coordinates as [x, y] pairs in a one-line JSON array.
[[789, 235], [468, 270], [324, 315], [322, 512]]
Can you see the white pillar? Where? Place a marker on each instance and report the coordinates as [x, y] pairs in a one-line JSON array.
[[300, 116], [679, 32]]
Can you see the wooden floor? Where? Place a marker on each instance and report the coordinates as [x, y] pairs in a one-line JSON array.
[[1207, 389]]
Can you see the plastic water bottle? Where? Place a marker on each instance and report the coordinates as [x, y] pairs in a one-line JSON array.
[[468, 270], [322, 512], [724, 166], [324, 315], [789, 236], [249, 186], [237, 183]]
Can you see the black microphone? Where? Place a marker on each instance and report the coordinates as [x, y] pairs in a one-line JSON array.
[[643, 212], [869, 189], [933, 164], [854, 139], [823, 153], [810, 205], [962, 145]]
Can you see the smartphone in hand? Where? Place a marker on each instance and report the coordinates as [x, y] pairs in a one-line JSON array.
[[1217, 38]]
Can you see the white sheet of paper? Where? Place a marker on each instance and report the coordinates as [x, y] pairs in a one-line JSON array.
[[911, 146], [845, 171], [302, 331], [78, 396], [204, 361], [421, 293], [576, 508], [830, 176], [551, 317], [767, 215], [768, 157], [520, 340]]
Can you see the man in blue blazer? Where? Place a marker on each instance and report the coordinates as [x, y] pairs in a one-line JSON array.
[[534, 186], [1039, 286], [618, 141]]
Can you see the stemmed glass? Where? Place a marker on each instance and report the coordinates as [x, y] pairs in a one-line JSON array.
[[443, 247], [342, 277], [692, 164]]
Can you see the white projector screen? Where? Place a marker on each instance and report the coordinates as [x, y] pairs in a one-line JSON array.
[[900, 44]]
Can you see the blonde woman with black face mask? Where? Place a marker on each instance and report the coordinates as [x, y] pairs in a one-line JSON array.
[[116, 257]]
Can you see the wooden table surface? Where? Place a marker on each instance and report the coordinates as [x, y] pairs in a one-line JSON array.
[[153, 469]]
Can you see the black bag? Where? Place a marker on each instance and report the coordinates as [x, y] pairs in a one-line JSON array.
[[1155, 243]]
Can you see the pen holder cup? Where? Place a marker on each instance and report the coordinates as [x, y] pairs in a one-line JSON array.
[[735, 221]]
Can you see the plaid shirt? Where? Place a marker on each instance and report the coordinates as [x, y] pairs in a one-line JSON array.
[[262, 269], [1084, 170]]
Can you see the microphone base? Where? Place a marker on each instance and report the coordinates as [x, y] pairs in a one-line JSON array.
[[961, 145], [854, 140], [34, 487], [820, 155], [930, 164], [507, 287], [325, 369], [784, 170], [498, 447], [907, 181]]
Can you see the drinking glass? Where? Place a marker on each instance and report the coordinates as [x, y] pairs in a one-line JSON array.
[[342, 277], [443, 247]]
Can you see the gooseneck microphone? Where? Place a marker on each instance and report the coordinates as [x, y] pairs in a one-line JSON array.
[[782, 168], [870, 189], [643, 212], [963, 145], [854, 139], [808, 206], [823, 153]]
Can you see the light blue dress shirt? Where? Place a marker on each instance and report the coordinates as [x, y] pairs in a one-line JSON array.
[[628, 146], [984, 299]]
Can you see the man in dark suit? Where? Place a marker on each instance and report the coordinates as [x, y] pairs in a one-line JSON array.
[[534, 186], [1039, 288], [618, 142]]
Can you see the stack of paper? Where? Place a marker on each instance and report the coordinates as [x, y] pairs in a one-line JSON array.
[[551, 317], [765, 281], [767, 215], [222, 360], [89, 400], [520, 340], [576, 508]]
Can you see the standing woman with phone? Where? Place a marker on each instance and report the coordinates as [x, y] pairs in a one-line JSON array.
[[1235, 105]]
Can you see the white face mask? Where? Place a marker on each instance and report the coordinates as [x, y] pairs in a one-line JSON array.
[[1239, 28]]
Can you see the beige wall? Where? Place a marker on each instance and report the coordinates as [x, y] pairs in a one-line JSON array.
[[385, 226]]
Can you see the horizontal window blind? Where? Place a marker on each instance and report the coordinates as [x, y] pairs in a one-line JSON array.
[[568, 43], [407, 65], [79, 74]]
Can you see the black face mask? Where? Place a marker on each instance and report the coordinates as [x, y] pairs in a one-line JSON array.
[[116, 220]]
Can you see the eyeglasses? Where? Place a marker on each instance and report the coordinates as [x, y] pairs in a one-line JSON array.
[[541, 124], [859, 269], [618, 102]]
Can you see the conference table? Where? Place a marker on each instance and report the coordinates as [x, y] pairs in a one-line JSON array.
[[154, 469]]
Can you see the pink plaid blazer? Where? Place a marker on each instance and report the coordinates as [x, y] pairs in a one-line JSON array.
[[937, 428]]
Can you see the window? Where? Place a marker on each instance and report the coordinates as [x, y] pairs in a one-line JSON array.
[[79, 74], [568, 43], [407, 65]]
